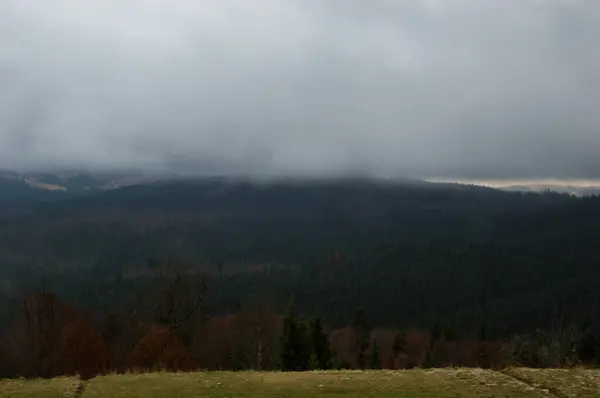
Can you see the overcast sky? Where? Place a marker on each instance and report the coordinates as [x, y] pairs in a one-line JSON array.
[[420, 88]]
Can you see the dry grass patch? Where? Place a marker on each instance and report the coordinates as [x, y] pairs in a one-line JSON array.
[[562, 382], [53, 388], [382, 384]]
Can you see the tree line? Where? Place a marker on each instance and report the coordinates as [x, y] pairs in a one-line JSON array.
[[167, 325]]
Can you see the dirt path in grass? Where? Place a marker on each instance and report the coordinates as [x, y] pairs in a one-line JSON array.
[[553, 391], [81, 388]]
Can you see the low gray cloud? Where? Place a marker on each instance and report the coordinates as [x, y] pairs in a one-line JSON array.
[[426, 88]]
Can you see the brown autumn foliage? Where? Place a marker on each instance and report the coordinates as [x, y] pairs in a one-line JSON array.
[[159, 349], [468, 353], [8, 363], [51, 337], [212, 345], [83, 349], [121, 335], [385, 340], [33, 340], [341, 342]]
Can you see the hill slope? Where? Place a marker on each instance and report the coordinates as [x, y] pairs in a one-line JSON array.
[[409, 252], [218, 219], [17, 187]]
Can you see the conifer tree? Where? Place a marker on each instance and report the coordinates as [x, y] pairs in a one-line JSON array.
[[400, 344], [362, 334], [320, 345], [295, 352], [374, 361]]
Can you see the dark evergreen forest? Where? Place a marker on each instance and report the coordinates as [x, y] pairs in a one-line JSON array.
[[476, 262]]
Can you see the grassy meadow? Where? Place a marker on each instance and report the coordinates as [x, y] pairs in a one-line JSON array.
[[437, 383], [53, 388]]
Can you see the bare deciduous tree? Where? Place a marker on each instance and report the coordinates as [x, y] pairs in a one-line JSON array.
[[173, 298]]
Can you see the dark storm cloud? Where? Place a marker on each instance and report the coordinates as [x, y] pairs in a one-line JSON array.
[[433, 88]]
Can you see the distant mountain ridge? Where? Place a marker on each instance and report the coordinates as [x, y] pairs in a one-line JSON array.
[[569, 189], [33, 186], [575, 187], [69, 182]]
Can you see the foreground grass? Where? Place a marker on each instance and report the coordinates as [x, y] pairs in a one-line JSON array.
[[414, 383], [411, 383], [561, 382], [54, 388]]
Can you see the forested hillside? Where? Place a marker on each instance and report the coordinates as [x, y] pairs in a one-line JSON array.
[[409, 252], [17, 188], [400, 274]]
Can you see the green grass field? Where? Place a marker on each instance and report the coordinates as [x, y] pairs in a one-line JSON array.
[[411, 383], [59, 387]]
